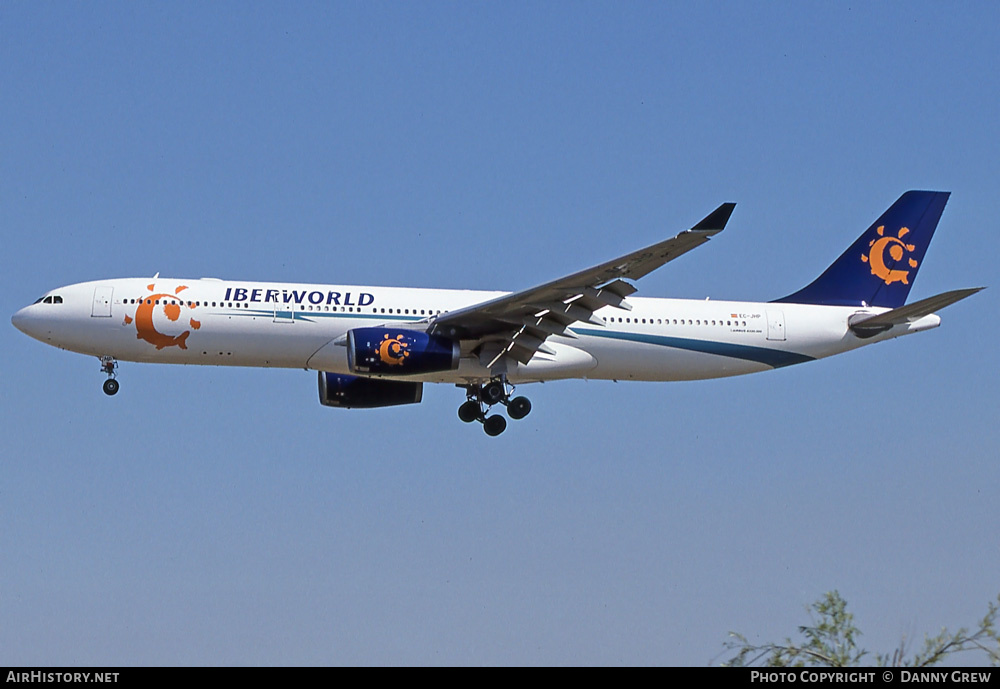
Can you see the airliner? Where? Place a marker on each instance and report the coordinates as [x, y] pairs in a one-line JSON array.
[[377, 346]]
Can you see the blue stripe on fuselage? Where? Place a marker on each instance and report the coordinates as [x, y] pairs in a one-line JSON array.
[[775, 358]]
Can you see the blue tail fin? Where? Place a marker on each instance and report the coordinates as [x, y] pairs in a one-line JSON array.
[[879, 268]]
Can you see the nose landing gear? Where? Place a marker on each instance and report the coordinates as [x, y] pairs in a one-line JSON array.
[[481, 398], [108, 365]]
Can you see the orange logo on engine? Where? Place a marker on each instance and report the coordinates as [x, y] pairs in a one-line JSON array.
[[148, 312], [896, 248], [392, 350]]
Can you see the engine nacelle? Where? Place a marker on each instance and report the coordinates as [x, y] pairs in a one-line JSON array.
[[397, 352], [352, 392]]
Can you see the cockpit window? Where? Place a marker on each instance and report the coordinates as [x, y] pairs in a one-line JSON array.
[[57, 299], [38, 301], [50, 299], [47, 300]]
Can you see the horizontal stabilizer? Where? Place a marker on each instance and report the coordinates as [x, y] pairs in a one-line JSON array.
[[867, 326]]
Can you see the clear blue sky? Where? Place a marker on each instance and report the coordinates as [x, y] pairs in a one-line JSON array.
[[211, 515]]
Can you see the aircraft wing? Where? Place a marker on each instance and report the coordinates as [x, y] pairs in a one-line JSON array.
[[518, 324]]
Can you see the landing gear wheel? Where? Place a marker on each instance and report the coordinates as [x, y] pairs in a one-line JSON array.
[[518, 408], [494, 425], [111, 386], [492, 392], [469, 411]]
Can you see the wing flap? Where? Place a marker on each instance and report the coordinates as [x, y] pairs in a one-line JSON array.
[[546, 326]]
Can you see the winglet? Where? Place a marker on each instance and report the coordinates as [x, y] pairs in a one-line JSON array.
[[717, 219]]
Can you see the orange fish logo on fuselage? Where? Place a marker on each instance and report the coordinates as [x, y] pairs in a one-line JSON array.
[[144, 318], [896, 248]]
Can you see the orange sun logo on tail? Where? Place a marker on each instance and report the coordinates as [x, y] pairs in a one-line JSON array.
[[170, 306], [896, 248]]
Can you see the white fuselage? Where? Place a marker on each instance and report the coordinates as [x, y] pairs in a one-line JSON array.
[[229, 323]]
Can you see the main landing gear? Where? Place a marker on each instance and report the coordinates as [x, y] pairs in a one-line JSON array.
[[481, 398], [108, 365]]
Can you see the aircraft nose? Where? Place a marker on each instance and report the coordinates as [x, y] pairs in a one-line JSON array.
[[20, 320], [26, 320]]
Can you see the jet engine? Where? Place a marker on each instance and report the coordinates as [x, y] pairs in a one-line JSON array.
[[397, 352], [365, 393]]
